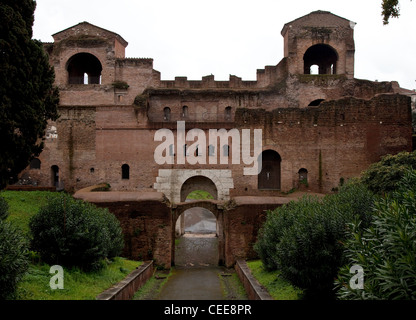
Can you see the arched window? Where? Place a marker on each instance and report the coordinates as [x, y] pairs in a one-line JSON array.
[[227, 114], [269, 177], [35, 164], [303, 176], [166, 114], [185, 112], [171, 150], [84, 68], [55, 175], [125, 172], [211, 150], [323, 57]]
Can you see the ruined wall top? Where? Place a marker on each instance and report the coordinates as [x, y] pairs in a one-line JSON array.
[[85, 31]]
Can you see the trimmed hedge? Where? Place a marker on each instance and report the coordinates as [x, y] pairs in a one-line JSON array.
[[72, 232]]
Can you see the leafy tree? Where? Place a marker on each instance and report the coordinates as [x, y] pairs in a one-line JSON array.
[[386, 250], [382, 177], [303, 239], [28, 97], [391, 9]]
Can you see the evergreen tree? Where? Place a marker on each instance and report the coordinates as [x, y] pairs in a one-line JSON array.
[[28, 97]]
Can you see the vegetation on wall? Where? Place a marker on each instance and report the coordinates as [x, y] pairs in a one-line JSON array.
[[120, 85]]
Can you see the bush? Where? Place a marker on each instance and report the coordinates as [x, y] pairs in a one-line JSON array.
[[382, 177], [14, 260], [72, 232], [386, 250], [4, 209], [304, 238]]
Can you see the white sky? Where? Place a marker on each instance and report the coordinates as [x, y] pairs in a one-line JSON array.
[[195, 38]]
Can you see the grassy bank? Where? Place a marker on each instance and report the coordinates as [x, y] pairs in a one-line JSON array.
[[278, 288], [24, 204], [78, 285]]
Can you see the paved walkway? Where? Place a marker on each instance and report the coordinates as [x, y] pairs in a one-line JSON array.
[[193, 284], [197, 275]]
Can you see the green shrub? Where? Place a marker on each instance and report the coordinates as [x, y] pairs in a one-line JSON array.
[[14, 260], [382, 177], [386, 250], [72, 232], [304, 238], [4, 209]]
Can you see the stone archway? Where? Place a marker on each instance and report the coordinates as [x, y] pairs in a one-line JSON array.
[[198, 183], [216, 209], [170, 182]]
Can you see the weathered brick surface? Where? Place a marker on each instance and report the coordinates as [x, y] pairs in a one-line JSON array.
[[103, 127]]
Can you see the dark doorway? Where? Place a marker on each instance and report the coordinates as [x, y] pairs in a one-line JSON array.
[[55, 176], [269, 177]]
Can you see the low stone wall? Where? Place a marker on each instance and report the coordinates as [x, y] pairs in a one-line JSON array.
[[125, 289], [255, 291]]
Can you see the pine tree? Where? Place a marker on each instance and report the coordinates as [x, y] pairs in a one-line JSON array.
[[28, 97]]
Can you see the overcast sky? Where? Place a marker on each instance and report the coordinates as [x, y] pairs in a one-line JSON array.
[[196, 38]]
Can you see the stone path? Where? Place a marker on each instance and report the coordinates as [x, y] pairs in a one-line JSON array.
[[197, 275]]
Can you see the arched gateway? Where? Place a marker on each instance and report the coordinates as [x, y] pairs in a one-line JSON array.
[[173, 183], [215, 207]]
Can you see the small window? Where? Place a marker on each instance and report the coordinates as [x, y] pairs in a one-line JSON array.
[[35, 164], [55, 175], [171, 150], [211, 150], [228, 114], [198, 153], [226, 150], [185, 112], [166, 114], [303, 176], [125, 171]]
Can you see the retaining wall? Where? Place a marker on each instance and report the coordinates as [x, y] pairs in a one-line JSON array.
[[125, 289], [255, 291]]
